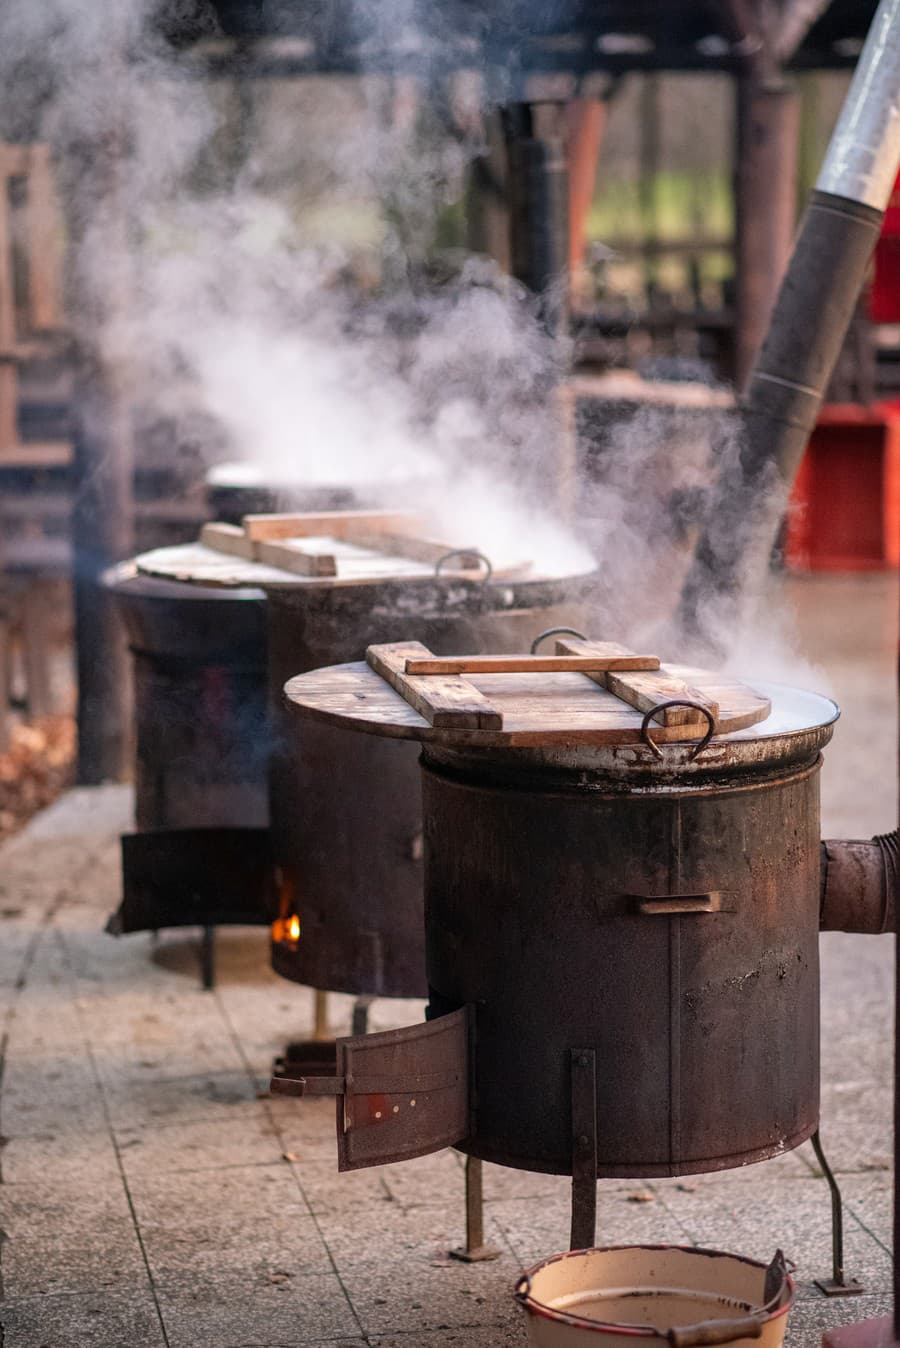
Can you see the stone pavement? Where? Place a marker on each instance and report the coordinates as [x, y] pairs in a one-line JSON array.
[[153, 1194]]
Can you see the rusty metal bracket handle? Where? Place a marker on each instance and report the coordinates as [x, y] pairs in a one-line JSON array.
[[709, 1332], [466, 552], [680, 903], [678, 702], [303, 1086], [366, 1085], [556, 632]]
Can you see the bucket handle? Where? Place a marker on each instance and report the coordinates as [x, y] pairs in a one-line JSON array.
[[522, 1290], [709, 1332]]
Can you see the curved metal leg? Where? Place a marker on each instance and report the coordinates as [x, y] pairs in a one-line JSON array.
[[838, 1284]]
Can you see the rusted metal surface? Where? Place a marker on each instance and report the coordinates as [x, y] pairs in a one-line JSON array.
[[838, 1285], [859, 885], [346, 810], [400, 1093], [704, 1024], [199, 661], [201, 854], [584, 1148], [194, 877]]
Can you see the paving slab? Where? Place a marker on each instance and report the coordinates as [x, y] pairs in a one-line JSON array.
[[96, 1320]]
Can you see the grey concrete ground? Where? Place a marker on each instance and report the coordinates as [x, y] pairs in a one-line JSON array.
[[152, 1194]]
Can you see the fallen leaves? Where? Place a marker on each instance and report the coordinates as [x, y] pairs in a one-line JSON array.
[[36, 767]]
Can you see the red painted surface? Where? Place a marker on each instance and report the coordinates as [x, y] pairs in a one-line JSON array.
[[845, 506], [877, 1333], [884, 299]]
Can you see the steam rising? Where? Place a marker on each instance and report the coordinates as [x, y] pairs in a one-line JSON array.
[[242, 319], [283, 307]]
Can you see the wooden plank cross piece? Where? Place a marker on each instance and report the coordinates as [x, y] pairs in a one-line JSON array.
[[643, 690], [445, 701], [529, 664]]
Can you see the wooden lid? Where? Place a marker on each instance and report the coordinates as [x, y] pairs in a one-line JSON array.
[[338, 547], [589, 693]]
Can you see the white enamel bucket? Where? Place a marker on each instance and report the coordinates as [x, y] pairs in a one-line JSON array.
[[688, 1297]]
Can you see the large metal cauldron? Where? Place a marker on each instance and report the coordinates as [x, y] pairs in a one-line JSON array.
[[669, 921], [201, 750], [346, 810], [621, 948]]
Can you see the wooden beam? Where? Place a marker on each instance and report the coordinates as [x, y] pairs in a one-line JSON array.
[[529, 664], [448, 703], [644, 691]]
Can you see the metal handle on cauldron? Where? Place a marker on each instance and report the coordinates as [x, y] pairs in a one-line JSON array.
[[556, 632], [709, 1332], [466, 552], [678, 702], [680, 903]]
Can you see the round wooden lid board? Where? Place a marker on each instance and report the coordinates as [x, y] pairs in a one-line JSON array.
[[537, 708]]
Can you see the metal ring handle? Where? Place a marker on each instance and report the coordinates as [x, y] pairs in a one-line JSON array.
[[466, 552], [556, 632], [678, 702], [522, 1289]]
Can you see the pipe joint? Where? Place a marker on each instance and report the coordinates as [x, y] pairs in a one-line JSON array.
[[859, 885]]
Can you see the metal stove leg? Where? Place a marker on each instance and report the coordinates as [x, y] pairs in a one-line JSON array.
[[360, 1023], [584, 1149], [321, 1029], [837, 1285], [474, 1251], [208, 957]]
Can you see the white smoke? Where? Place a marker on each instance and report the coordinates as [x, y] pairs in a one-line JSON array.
[[239, 311]]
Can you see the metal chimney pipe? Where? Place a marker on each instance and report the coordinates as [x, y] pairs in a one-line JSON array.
[[860, 884], [816, 301]]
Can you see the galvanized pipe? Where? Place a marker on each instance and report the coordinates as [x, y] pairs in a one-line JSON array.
[[859, 885], [816, 301]]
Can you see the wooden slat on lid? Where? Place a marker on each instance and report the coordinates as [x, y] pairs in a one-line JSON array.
[[643, 690], [418, 548], [333, 523], [446, 702], [228, 538], [290, 555], [529, 664]]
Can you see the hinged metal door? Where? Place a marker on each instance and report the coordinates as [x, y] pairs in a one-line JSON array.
[[400, 1093]]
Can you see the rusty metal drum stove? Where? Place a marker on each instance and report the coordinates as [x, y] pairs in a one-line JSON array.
[[621, 935], [199, 854], [349, 872]]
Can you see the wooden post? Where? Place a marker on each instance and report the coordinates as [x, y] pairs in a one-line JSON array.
[[587, 118], [487, 208], [8, 379], [768, 128], [93, 160]]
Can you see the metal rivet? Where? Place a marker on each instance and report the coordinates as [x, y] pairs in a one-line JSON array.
[[583, 1140], [396, 1109], [412, 1104], [378, 1113]]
